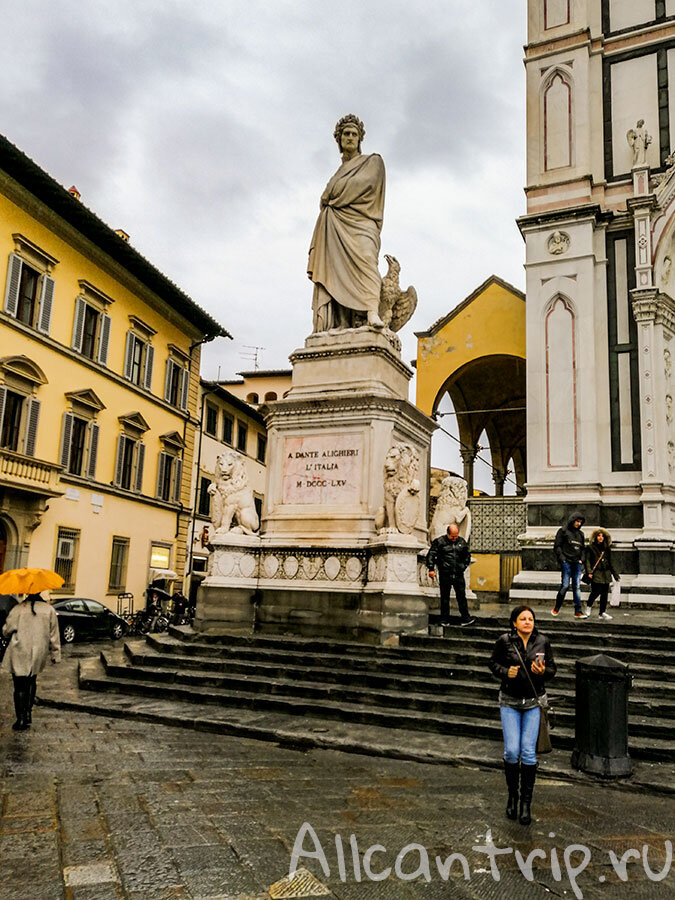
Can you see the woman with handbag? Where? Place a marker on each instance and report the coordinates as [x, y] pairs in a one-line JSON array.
[[599, 570], [522, 660]]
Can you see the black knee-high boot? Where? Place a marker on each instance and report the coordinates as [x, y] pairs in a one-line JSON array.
[[32, 689], [21, 699], [512, 772], [528, 776]]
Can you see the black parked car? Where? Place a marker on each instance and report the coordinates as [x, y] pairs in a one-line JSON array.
[[80, 617]]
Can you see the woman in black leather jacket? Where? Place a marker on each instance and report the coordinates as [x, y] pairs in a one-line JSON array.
[[519, 707]]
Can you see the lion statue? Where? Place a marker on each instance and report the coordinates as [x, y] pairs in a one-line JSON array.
[[400, 512], [232, 507], [452, 508]]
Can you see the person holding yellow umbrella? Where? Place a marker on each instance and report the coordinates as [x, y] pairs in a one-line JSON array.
[[33, 631]]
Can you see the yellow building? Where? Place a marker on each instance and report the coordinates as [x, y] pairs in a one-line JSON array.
[[260, 386], [227, 423], [99, 383], [476, 355]]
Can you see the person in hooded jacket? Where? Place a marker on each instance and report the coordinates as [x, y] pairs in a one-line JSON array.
[[523, 645], [33, 631], [600, 569], [569, 550]]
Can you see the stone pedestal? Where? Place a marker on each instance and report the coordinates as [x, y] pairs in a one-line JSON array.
[[320, 567]]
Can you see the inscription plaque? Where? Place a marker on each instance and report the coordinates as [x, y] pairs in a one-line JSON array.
[[323, 469]]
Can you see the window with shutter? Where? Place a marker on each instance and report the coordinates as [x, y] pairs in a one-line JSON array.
[[161, 475], [28, 295], [119, 460], [11, 420], [13, 282], [77, 442], [149, 360], [78, 324], [140, 460], [177, 477], [46, 303], [169, 380], [3, 397], [66, 437], [128, 355], [185, 387], [33, 417], [104, 340], [93, 449], [91, 318]]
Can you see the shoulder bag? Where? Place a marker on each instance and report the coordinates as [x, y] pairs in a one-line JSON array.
[[544, 737], [588, 578]]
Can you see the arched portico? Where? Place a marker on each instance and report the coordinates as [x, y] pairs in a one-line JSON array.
[[476, 355]]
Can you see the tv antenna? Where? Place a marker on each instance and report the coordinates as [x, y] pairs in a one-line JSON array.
[[253, 353]]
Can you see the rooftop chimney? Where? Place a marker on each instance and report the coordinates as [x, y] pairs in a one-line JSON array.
[[74, 191], [121, 233]]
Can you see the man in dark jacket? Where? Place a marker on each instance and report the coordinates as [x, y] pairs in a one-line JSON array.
[[569, 551], [451, 555]]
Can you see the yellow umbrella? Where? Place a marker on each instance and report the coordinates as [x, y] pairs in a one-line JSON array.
[[29, 581]]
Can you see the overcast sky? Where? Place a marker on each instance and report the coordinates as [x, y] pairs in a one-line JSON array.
[[204, 129]]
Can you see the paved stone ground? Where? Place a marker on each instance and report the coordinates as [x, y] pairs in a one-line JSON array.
[[93, 808]]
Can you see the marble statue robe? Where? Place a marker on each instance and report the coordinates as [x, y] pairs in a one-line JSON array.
[[345, 246]]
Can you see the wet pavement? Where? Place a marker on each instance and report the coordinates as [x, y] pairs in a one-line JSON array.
[[94, 807]]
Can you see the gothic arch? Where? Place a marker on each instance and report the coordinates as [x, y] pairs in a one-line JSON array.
[[557, 117], [561, 384]]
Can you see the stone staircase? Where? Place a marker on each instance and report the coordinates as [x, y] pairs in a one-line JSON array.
[[438, 685]]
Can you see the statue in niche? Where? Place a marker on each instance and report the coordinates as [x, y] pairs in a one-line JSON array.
[[343, 256], [638, 140], [452, 508], [232, 506], [401, 509]]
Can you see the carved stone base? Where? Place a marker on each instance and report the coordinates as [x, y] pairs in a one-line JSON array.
[[369, 593]]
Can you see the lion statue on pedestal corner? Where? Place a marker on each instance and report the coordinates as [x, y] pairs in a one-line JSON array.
[[232, 506], [400, 512], [452, 508]]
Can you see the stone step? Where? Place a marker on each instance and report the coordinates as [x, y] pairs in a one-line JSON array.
[[643, 747], [562, 647], [446, 653], [648, 719], [433, 678]]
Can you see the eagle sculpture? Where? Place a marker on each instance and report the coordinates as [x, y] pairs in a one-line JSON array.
[[396, 306]]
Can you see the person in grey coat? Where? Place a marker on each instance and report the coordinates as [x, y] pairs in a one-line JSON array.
[[33, 631]]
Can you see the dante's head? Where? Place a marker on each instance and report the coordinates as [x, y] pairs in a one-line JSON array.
[[354, 122]]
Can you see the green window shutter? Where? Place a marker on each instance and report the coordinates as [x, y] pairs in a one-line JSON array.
[[104, 339], [13, 284], [33, 416], [93, 449], [140, 460], [78, 324], [149, 360], [119, 460], [128, 355], [177, 476], [161, 468], [3, 397], [184, 388], [66, 438], [167, 379], [46, 304]]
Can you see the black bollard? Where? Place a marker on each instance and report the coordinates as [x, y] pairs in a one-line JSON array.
[[601, 720]]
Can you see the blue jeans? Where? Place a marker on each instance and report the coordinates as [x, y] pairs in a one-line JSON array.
[[571, 573], [521, 729]]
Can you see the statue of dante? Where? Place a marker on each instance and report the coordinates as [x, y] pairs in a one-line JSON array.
[[346, 242]]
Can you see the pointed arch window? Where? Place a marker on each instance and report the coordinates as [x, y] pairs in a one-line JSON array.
[[557, 114]]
